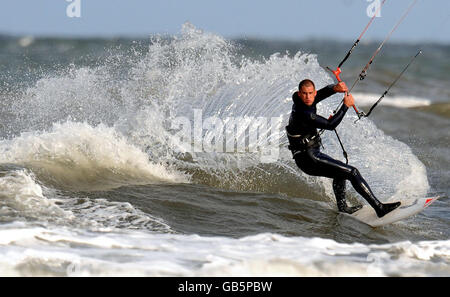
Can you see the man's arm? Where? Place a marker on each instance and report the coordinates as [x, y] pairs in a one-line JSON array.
[[324, 93], [330, 90], [320, 122], [335, 120]]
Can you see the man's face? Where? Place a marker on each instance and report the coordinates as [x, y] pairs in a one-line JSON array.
[[307, 94]]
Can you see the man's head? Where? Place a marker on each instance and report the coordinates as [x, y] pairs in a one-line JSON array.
[[307, 91]]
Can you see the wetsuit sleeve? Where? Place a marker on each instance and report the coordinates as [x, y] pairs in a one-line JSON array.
[[324, 93], [327, 124]]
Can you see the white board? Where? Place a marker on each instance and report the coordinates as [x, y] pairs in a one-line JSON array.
[[367, 214]]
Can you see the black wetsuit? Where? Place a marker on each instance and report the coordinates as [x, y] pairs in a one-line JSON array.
[[305, 146]]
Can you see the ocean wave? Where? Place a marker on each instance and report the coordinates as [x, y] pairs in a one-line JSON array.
[[105, 215], [21, 197], [78, 156]]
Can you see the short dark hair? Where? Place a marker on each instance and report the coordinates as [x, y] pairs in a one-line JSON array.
[[306, 82]]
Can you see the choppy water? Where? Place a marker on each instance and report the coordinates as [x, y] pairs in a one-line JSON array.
[[94, 181]]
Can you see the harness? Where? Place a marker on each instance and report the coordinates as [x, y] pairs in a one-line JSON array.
[[300, 143]]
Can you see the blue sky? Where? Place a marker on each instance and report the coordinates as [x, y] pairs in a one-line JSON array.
[[290, 19]]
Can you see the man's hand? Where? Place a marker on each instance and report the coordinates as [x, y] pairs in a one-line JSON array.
[[340, 87], [349, 100]]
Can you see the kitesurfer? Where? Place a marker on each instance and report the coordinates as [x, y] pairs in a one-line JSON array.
[[304, 142]]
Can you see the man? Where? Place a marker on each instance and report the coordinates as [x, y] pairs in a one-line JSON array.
[[305, 145]]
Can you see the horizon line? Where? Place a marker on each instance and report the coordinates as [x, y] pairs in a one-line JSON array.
[[267, 38]]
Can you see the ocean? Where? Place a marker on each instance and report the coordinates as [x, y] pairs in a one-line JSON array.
[[166, 156]]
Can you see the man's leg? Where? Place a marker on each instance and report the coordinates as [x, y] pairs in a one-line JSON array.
[[319, 164], [361, 186], [339, 192]]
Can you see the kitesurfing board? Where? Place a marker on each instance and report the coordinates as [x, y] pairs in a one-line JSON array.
[[367, 214]]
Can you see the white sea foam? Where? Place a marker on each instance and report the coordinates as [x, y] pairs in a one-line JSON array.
[[39, 251], [22, 198], [102, 214], [368, 99]]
